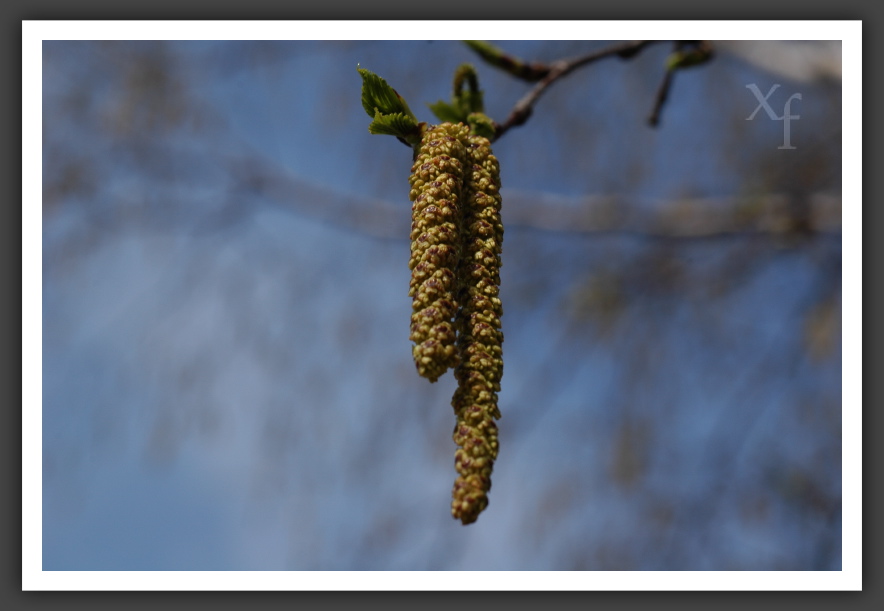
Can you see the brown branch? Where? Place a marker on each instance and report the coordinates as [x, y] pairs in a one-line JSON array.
[[660, 99], [686, 53], [698, 52], [531, 72], [770, 216], [524, 107]]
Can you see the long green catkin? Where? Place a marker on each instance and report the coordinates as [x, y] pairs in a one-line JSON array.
[[436, 191], [480, 355]]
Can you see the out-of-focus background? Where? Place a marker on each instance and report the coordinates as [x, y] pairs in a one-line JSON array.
[[227, 375]]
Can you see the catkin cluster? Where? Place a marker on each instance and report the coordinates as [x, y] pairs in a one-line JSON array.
[[436, 192], [456, 239], [480, 337]]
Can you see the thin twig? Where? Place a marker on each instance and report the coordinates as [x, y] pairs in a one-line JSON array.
[[698, 52], [662, 95], [528, 71], [524, 107]]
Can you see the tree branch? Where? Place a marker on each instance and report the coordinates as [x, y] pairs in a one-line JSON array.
[[687, 53], [561, 68], [498, 58], [770, 216], [660, 99]]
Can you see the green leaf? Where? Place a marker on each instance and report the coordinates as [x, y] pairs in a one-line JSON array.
[[482, 125], [377, 95], [446, 112], [396, 124], [464, 100]]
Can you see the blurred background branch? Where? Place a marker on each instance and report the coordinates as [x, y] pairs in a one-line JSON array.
[[774, 216]]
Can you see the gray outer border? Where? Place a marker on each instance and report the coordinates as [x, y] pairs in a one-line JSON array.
[[18, 10]]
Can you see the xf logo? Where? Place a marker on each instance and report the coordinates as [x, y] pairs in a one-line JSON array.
[[787, 111]]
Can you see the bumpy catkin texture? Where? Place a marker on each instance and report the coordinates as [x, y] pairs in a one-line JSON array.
[[480, 337], [436, 191]]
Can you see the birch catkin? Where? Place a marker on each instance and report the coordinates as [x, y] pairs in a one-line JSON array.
[[456, 237], [436, 192], [480, 355]]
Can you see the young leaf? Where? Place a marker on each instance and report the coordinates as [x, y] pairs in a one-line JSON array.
[[446, 112], [396, 124], [481, 125], [377, 95], [464, 100]]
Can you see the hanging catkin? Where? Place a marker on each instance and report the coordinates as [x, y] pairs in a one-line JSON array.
[[456, 237], [480, 354], [436, 191]]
